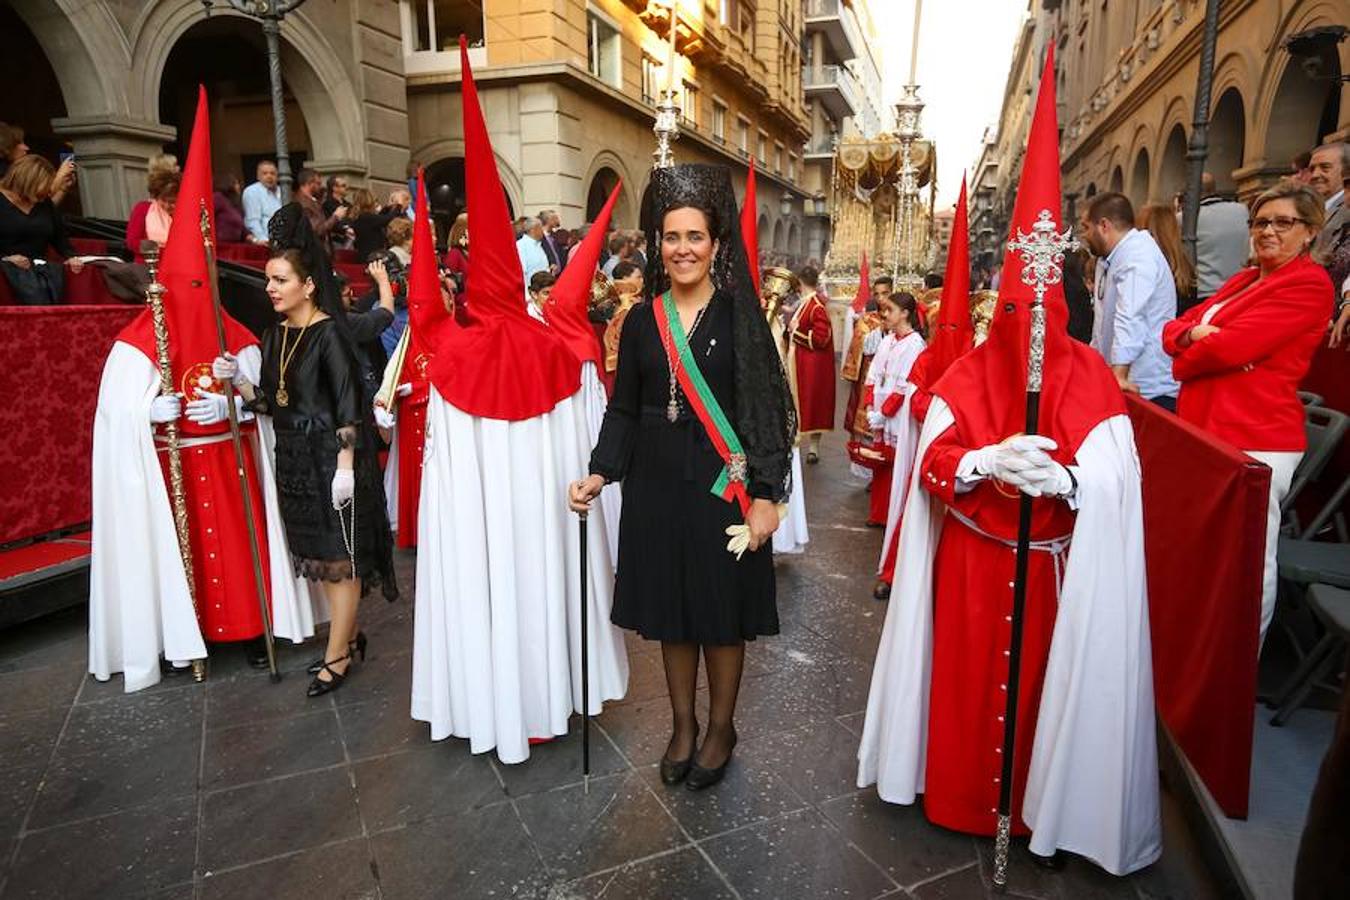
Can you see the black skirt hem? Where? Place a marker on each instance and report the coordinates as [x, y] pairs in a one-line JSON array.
[[649, 634]]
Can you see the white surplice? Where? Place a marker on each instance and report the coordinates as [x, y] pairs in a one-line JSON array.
[[140, 607], [889, 375], [497, 630], [1092, 788], [792, 536]]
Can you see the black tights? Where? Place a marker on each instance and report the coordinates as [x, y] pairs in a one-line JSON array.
[[724, 664]]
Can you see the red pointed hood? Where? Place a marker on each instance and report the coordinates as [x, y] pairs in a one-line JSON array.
[[193, 343], [750, 227], [427, 315], [568, 302], [953, 334], [864, 287], [502, 363], [986, 388]]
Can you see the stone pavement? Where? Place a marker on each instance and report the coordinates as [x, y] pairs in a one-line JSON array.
[[242, 789]]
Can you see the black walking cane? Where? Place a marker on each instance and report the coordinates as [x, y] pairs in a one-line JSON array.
[[1042, 253], [585, 665]]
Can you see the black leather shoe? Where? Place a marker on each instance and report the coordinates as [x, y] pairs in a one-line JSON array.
[[1054, 862], [673, 772], [700, 778], [318, 687], [354, 649], [882, 591], [257, 654]]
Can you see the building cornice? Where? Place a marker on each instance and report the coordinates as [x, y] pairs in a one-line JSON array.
[[573, 76]]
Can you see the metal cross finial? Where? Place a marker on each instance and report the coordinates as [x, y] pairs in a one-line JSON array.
[[1042, 252]]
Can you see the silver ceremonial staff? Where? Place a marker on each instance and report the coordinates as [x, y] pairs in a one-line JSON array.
[[154, 295], [1042, 255], [260, 583]]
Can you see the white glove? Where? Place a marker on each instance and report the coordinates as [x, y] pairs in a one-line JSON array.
[[209, 408], [1023, 462], [383, 417], [404, 389], [344, 487], [226, 368], [166, 408], [876, 420]]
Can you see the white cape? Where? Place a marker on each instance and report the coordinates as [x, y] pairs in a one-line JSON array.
[[497, 630], [1093, 783], [792, 536], [140, 607], [391, 480]]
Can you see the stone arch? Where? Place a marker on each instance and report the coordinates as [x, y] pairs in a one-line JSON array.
[[93, 55], [313, 69], [1139, 185], [1289, 106], [1227, 138], [625, 213], [598, 189], [1172, 166], [1117, 180], [795, 240], [780, 237], [434, 152], [1091, 190]]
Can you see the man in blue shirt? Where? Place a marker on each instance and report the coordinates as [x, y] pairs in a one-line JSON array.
[[1135, 296], [531, 250], [261, 199]]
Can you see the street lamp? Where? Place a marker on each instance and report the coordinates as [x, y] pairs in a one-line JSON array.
[[270, 13]]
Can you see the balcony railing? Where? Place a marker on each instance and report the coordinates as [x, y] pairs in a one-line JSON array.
[[837, 23], [833, 86]]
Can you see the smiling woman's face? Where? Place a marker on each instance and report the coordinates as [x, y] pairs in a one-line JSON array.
[[687, 249], [1275, 247]]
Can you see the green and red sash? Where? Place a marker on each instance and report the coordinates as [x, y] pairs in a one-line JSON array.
[[730, 484]]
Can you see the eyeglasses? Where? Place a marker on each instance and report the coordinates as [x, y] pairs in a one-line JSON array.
[[1281, 223]]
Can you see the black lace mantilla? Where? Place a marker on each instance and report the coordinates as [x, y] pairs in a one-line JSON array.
[[766, 420]]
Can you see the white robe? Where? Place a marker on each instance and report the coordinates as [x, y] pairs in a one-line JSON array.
[[792, 536], [497, 630], [140, 607], [1092, 788], [900, 431]]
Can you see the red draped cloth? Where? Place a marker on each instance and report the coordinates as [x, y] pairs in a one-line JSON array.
[[1201, 495], [53, 361]]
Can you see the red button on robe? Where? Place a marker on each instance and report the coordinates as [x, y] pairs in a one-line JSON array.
[[972, 627]]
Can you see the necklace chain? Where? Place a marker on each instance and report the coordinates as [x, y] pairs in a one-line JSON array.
[[285, 361]]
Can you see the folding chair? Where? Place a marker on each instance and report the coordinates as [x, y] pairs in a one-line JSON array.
[[1331, 606], [1308, 398], [1325, 428]]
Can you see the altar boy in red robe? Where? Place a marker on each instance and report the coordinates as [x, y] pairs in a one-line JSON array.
[[811, 364]]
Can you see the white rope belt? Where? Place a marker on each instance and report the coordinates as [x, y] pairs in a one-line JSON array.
[[198, 441], [1056, 547]]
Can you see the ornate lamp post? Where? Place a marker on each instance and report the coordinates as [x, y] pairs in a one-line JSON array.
[[667, 125], [270, 13], [907, 264]]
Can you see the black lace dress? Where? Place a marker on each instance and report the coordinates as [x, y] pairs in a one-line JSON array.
[[325, 411], [675, 580]]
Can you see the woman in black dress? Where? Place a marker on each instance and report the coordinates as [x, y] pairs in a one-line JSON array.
[[676, 581], [329, 489]]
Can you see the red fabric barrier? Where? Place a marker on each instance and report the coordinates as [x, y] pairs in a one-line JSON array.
[[89, 246], [1204, 536], [54, 358], [85, 288], [245, 254]]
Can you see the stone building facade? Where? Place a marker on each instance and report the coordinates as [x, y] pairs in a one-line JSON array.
[[1126, 88], [569, 89]]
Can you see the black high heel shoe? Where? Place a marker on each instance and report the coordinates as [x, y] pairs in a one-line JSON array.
[[700, 778], [673, 772], [318, 687], [354, 649]]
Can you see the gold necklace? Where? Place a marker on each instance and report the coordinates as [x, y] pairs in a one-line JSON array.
[[283, 398]]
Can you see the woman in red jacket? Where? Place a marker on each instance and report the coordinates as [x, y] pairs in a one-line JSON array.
[[1241, 355]]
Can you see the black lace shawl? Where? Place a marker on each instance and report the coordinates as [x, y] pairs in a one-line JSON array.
[[766, 421]]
